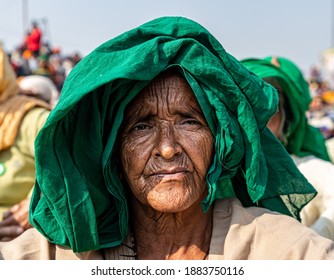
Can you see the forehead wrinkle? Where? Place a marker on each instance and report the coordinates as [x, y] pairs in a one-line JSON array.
[[172, 92], [133, 112], [175, 91], [158, 93]]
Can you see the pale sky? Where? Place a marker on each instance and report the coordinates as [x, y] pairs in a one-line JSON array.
[[296, 29]]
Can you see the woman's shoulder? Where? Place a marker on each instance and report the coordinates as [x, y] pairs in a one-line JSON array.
[[258, 233], [233, 209]]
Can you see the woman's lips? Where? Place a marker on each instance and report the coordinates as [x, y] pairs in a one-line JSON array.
[[167, 179], [172, 173], [170, 176]]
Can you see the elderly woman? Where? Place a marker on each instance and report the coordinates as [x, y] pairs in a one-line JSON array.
[[158, 149], [304, 142]]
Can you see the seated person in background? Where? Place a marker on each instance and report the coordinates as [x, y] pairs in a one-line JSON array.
[[158, 149], [21, 117], [305, 143]]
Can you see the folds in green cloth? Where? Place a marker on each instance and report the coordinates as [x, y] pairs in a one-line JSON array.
[[302, 138], [79, 200]]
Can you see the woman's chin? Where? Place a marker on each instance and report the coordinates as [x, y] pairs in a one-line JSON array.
[[170, 200]]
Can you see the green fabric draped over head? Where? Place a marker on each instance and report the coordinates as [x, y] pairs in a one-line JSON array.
[[302, 139], [79, 200]]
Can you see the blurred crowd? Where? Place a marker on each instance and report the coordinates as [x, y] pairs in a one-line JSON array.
[[321, 111], [35, 56]]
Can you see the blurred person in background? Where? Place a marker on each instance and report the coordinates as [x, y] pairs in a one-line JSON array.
[[321, 115], [305, 143], [43, 67], [34, 39], [21, 117]]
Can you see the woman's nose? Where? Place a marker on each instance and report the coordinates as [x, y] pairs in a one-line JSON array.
[[167, 145]]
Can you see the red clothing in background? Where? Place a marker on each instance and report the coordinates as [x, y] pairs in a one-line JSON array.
[[34, 40]]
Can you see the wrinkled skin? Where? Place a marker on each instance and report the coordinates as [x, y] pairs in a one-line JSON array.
[[168, 171], [166, 151]]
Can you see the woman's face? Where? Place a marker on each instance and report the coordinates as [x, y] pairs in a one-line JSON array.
[[166, 146]]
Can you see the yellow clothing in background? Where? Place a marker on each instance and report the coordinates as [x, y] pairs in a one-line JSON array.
[[21, 117], [17, 164]]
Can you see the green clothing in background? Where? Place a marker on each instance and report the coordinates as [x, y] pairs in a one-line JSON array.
[[79, 200], [302, 139]]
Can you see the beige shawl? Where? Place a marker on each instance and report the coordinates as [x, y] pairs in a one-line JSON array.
[[238, 233]]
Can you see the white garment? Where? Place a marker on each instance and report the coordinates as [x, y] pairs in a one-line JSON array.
[[40, 86], [319, 213]]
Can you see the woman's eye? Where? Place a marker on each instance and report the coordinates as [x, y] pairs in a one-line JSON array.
[[190, 122], [141, 126]]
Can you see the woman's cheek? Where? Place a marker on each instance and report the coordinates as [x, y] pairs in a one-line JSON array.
[[208, 151], [134, 156], [203, 153]]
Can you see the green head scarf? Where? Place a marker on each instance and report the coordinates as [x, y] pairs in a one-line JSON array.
[[79, 200], [302, 139]]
